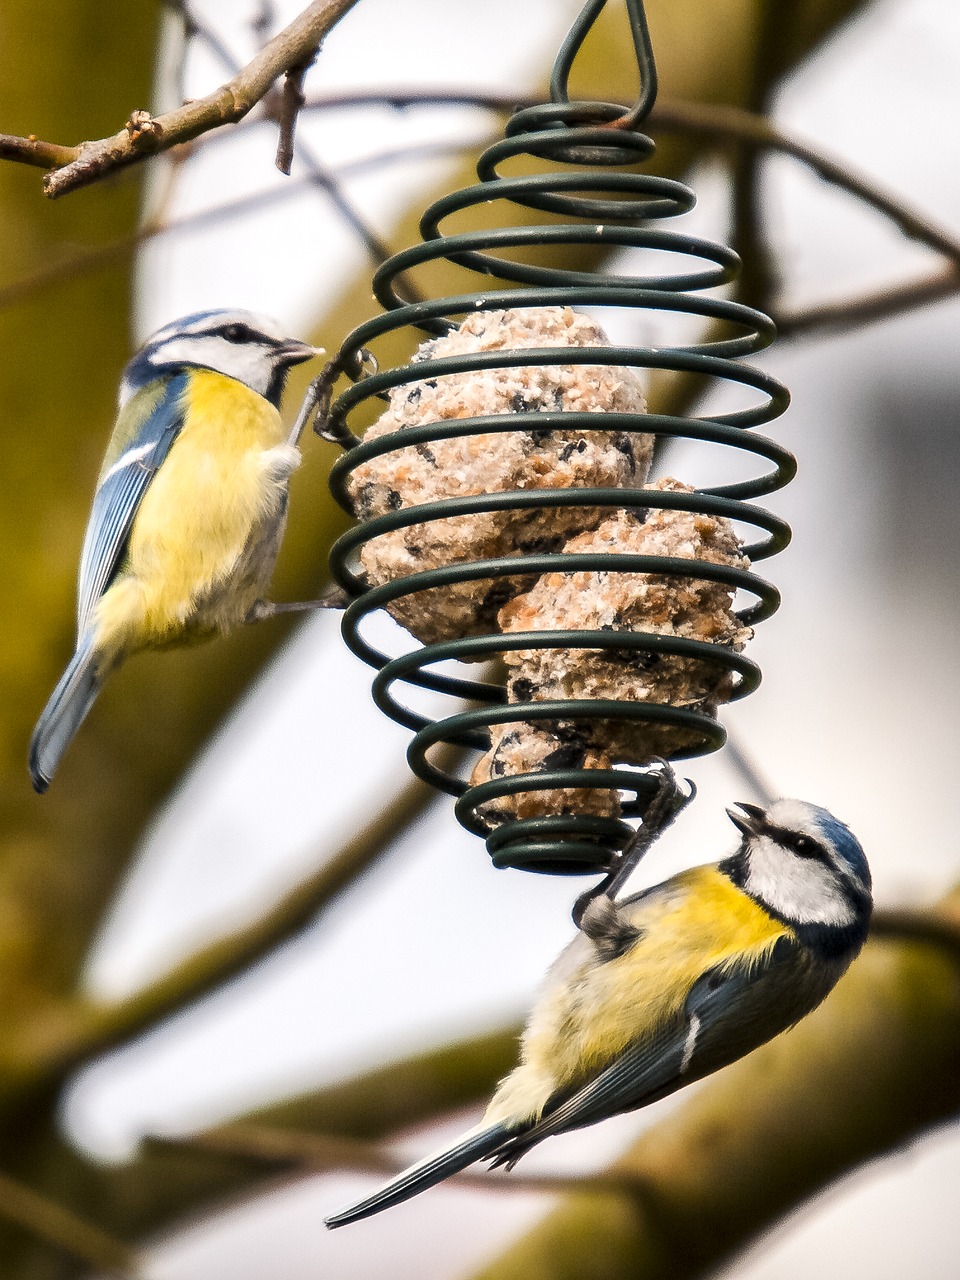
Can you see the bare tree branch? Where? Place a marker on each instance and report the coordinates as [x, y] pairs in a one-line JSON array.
[[44, 155], [63, 1230], [145, 135], [90, 1028]]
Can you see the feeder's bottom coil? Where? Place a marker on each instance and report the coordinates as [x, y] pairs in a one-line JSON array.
[[687, 607]]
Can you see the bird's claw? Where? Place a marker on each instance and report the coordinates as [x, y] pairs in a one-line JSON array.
[[666, 802]]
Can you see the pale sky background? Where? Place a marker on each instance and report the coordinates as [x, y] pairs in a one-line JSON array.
[[862, 684]]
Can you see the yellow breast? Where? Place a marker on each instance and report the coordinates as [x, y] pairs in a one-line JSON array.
[[696, 921], [197, 516]]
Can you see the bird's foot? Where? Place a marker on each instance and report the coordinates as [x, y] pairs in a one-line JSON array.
[[666, 802]]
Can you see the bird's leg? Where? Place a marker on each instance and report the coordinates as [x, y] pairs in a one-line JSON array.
[[333, 598], [319, 396], [665, 804], [316, 401]]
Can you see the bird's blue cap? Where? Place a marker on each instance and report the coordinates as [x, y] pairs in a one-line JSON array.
[[845, 843]]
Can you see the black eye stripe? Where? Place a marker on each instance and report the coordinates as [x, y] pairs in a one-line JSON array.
[[237, 333], [802, 845]]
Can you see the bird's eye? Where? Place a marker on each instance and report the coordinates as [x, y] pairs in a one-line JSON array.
[[236, 333], [804, 847]]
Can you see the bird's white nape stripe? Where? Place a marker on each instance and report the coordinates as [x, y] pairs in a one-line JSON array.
[[690, 1044], [251, 363], [206, 322], [801, 890]]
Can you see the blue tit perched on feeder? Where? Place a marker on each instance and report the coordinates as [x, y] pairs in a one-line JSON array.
[[189, 507], [671, 984]]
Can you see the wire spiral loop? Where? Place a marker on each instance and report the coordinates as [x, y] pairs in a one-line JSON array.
[[598, 207]]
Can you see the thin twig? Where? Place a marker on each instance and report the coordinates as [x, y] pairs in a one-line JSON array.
[[104, 255], [319, 173], [675, 115], [749, 771], [263, 22], [180, 8], [63, 1230], [144, 135], [290, 105], [402, 99], [195, 29]]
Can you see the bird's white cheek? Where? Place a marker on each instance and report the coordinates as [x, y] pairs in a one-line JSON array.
[[800, 889]]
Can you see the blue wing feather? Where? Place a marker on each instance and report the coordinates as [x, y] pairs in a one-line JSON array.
[[727, 1014], [426, 1174], [122, 486]]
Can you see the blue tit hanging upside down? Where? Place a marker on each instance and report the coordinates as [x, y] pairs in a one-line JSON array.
[[671, 984], [189, 507]]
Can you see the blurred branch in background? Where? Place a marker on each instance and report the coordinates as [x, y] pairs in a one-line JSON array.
[[64, 1232], [284, 106], [172, 1180], [85, 1029], [755, 134], [297, 1152]]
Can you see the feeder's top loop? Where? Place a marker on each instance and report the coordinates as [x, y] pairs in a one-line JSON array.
[[560, 113], [642, 46]]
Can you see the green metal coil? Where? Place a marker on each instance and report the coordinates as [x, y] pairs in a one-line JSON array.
[[614, 210]]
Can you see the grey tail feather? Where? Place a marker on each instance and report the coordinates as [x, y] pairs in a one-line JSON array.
[[62, 716], [425, 1174]]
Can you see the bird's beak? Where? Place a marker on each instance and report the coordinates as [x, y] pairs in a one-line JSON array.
[[751, 821], [294, 352]]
